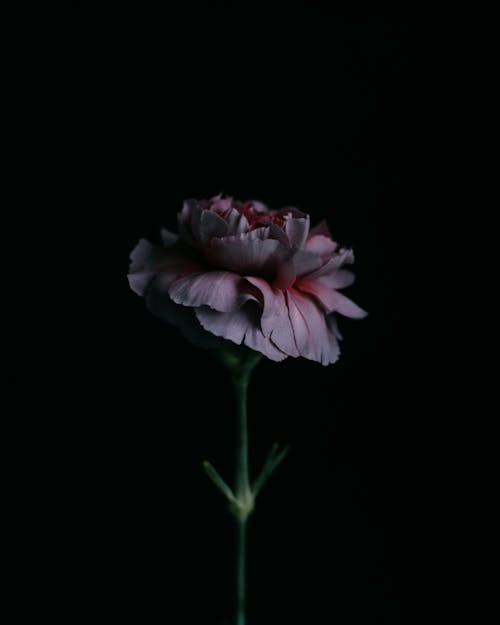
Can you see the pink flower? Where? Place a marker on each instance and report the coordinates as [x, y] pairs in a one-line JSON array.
[[251, 275]]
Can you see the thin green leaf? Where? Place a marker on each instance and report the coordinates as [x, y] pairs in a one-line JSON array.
[[219, 482], [273, 460]]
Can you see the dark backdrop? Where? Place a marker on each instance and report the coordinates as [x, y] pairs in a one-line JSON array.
[[296, 106]]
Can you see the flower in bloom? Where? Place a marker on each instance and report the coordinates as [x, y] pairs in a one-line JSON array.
[[244, 273]]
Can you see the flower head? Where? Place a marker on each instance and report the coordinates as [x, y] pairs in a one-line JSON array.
[[250, 275]]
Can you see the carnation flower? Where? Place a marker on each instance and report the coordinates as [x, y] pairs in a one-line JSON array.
[[247, 274]]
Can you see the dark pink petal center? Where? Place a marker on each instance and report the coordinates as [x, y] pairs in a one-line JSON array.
[[253, 211], [257, 219]]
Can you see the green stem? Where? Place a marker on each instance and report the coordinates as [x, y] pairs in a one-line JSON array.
[[241, 572], [243, 491], [241, 364]]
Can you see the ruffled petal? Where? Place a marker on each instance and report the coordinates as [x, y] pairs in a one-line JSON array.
[[198, 225], [183, 318], [143, 259], [342, 257], [322, 294], [275, 321], [321, 245], [250, 253], [241, 326], [297, 229], [275, 232], [219, 204], [148, 260], [237, 223], [285, 275], [306, 262], [321, 228], [168, 238], [210, 225], [337, 279], [313, 334], [347, 307], [332, 301], [217, 289]]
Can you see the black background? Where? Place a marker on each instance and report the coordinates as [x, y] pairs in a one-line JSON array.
[[294, 106]]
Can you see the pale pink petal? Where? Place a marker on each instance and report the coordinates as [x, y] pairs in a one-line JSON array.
[[297, 230], [198, 225], [319, 244], [144, 254], [217, 289], [143, 259], [275, 232], [321, 228], [236, 222], [241, 326], [344, 256], [331, 301], [168, 238], [147, 260], [220, 204], [251, 253], [347, 307], [275, 321], [337, 279], [255, 339], [210, 225], [306, 262], [231, 325], [314, 338], [285, 275], [304, 337], [325, 296]]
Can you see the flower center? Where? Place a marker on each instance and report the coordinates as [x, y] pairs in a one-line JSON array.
[[256, 218]]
